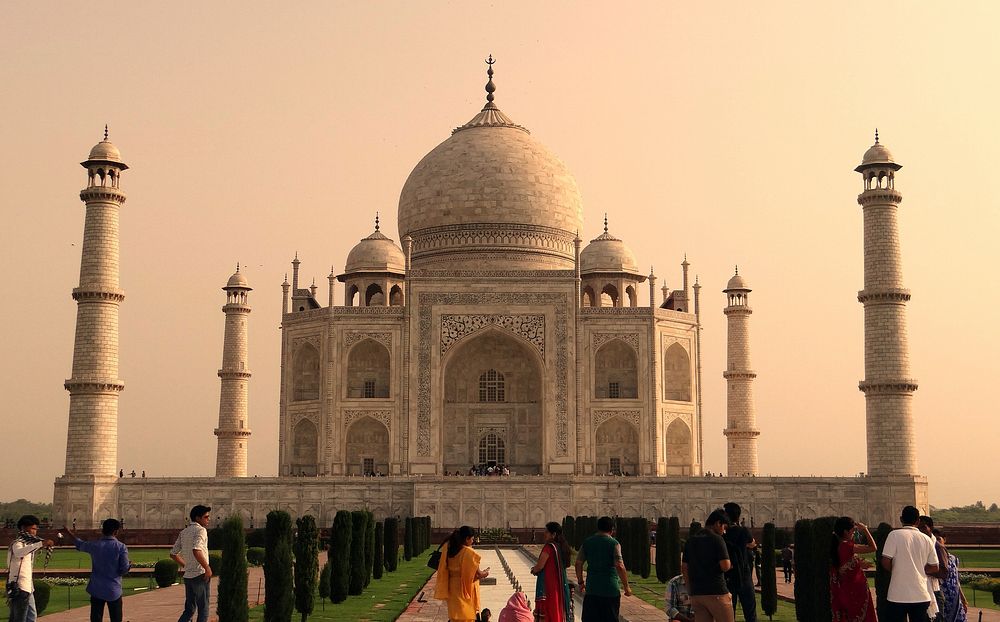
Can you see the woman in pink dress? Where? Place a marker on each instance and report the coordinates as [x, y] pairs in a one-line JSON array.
[[850, 598]]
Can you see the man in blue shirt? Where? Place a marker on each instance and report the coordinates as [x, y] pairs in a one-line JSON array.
[[108, 563]]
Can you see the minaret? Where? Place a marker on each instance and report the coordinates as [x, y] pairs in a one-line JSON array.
[[233, 431], [741, 431], [887, 386], [92, 442]]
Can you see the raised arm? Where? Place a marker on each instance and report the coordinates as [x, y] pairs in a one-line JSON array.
[[861, 549]]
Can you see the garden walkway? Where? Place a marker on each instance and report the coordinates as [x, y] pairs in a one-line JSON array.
[[163, 604]]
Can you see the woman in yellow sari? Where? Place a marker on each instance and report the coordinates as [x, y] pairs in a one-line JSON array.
[[458, 576]]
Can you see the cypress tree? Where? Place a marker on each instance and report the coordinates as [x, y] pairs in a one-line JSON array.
[[642, 546], [674, 542], [820, 545], [306, 551], [768, 578], [408, 538], [369, 546], [278, 601], [568, 525], [881, 574], [662, 550], [233, 574], [357, 553], [324, 584], [804, 604], [621, 534], [378, 561], [694, 528], [340, 556], [391, 544]]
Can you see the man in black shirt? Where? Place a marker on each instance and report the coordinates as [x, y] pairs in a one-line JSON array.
[[705, 561], [739, 579]]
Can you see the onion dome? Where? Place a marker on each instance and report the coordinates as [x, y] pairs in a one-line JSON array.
[[106, 152], [606, 253], [376, 253], [491, 196], [238, 281], [737, 283], [878, 155]]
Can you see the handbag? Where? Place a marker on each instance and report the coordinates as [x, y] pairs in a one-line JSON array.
[[435, 559]]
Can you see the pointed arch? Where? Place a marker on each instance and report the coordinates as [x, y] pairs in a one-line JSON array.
[[305, 449], [587, 297], [616, 447], [305, 373], [366, 447], [368, 370], [609, 296], [678, 447], [374, 296], [396, 296], [630, 292], [616, 371], [351, 296], [676, 374]]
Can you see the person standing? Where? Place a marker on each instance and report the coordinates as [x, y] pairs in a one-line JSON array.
[[459, 575], [739, 579], [850, 598], [552, 586], [926, 526], [606, 576], [191, 552], [910, 557], [955, 608], [108, 562], [704, 564], [20, 564], [787, 555], [678, 601]]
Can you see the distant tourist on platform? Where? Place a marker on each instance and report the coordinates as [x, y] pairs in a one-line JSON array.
[[910, 556], [108, 562], [191, 552]]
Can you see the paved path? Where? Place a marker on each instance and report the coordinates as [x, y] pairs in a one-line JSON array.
[[163, 604]]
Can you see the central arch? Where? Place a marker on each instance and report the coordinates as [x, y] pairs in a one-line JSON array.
[[367, 448], [493, 391], [616, 448]]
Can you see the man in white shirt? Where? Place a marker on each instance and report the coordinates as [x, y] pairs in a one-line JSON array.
[[191, 552], [20, 563], [910, 556]]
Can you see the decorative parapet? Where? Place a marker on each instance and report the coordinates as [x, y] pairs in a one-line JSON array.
[[878, 196], [887, 295], [901, 386]]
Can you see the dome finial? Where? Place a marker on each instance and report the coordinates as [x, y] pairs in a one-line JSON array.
[[105, 131], [490, 87], [237, 267], [737, 269], [605, 222], [876, 136], [376, 220]]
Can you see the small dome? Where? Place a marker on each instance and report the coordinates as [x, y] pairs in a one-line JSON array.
[[105, 151], [606, 253], [737, 282], [877, 154], [237, 281], [376, 253]]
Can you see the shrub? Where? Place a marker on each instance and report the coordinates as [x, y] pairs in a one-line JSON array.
[[768, 578], [369, 546], [693, 528], [357, 574], [996, 594], [803, 534], [306, 551], [216, 540], [232, 589], [391, 544], [568, 525], [165, 572], [278, 567], [255, 555], [641, 537], [882, 576], [215, 561], [378, 561], [324, 582], [340, 556], [407, 538], [662, 550], [812, 567], [256, 538], [43, 591]]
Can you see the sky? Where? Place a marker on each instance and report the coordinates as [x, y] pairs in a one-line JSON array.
[[726, 131]]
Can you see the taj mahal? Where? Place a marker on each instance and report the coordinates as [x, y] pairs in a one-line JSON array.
[[489, 334]]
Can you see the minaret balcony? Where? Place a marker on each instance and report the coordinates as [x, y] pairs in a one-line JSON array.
[[877, 196], [233, 433], [888, 295], [741, 433], [888, 387], [102, 193], [742, 374]]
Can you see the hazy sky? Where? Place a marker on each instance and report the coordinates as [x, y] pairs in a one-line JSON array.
[[728, 131]]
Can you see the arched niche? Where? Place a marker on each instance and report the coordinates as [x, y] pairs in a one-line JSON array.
[[517, 419], [609, 296], [616, 373], [374, 296], [587, 297], [678, 448], [305, 373], [368, 369], [351, 295], [367, 448], [632, 299], [396, 296], [676, 374], [305, 449], [616, 448]]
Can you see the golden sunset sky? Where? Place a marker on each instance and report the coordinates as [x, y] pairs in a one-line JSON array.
[[727, 131]]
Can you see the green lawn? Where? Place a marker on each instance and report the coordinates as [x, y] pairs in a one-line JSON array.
[[71, 558], [382, 601], [64, 598], [977, 558]]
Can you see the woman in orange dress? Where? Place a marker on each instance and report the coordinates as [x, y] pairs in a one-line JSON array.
[[458, 576], [850, 598]]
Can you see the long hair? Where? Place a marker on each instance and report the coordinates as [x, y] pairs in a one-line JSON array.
[[840, 527], [457, 539], [559, 540]]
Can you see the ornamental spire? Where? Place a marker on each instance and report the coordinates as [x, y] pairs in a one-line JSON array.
[[876, 136], [105, 132], [605, 222], [490, 87], [376, 221]]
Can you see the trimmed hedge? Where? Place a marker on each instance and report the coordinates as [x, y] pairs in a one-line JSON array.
[[324, 582], [768, 577], [215, 561], [391, 544], [640, 528], [278, 601], [408, 538], [340, 556], [369, 546], [165, 572], [812, 568], [43, 592], [256, 555], [378, 561], [356, 584], [232, 588], [882, 576], [306, 549], [256, 538]]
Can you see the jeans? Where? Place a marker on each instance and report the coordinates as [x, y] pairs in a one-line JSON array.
[[903, 612], [715, 608], [196, 595], [97, 609], [22, 608], [743, 592]]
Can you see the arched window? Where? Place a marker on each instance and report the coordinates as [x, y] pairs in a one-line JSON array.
[[587, 296], [352, 296], [374, 296], [396, 296], [630, 292], [677, 374], [491, 450], [305, 373], [609, 296], [491, 387], [616, 371], [304, 449], [368, 370], [678, 448]]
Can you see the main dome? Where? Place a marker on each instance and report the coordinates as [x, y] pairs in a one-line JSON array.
[[491, 194]]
